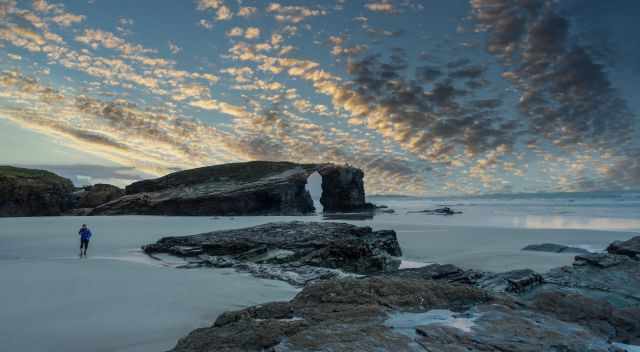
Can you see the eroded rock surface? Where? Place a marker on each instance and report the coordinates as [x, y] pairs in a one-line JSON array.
[[29, 192], [592, 305], [386, 313], [629, 247], [251, 188], [333, 315], [296, 252]]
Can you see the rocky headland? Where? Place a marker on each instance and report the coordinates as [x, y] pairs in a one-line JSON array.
[[28, 192], [250, 188], [592, 305]]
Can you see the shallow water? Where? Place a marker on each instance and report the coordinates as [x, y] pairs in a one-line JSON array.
[[118, 299]]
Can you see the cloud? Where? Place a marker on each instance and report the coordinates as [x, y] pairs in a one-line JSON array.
[[235, 32], [293, 14], [97, 38], [81, 174], [246, 11], [565, 94], [252, 33], [382, 6], [67, 19], [174, 48], [223, 13], [209, 4]]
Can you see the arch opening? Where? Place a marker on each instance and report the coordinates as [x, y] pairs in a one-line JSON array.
[[314, 187]]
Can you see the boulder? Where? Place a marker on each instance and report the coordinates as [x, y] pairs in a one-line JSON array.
[[296, 252], [30, 192]]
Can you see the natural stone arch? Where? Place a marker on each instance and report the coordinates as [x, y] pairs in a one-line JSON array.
[[250, 188]]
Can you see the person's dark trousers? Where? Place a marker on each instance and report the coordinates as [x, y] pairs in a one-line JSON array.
[[84, 244]]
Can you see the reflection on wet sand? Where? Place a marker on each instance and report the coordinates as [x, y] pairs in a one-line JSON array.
[[575, 222]]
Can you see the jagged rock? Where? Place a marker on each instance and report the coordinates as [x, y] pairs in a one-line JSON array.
[[296, 252], [386, 313], [333, 315], [445, 272], [630, 247], [498, 328], [251, 188], [515, 281], [554, 248], [611, 277], [598, 315], [29, 192], [590, 306], [93, 196]]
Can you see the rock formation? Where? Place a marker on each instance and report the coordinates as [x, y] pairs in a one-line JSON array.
[[554, 248], [592, 305], [251, 188], [296, 252], [95, 195], [28, 192], [629, 248], [342, 189]]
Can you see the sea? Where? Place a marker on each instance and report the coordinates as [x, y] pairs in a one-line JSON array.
[[118, 299]]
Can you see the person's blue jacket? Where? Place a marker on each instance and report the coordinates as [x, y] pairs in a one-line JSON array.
[[85, 234]]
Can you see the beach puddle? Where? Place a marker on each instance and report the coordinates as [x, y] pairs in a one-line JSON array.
[[406, 323]]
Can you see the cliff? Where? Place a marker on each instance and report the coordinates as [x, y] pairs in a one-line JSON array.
[[29, 192], [250, 188]]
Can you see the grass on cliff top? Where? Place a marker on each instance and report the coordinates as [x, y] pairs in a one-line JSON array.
[[12, 171]]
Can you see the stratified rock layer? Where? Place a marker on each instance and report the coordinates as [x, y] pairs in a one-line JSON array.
[[629, 247], [590, 306], [252, 188], [291, 251], [28, 192]]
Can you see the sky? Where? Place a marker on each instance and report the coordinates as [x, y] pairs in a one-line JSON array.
[[428, 97]]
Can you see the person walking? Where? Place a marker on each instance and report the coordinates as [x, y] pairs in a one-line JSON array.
[[85, 235]]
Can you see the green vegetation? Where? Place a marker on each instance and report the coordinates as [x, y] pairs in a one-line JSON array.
[[12, 172], [6, 170]]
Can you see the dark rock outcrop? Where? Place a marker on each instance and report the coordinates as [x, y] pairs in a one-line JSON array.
[[613, 277], [386, 313], [98, 194], [438, 211], [251, 188], [333, 315], [296, 252], [343, 189], [590, 306], [629, 247], [28, 192], [554, 248]]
